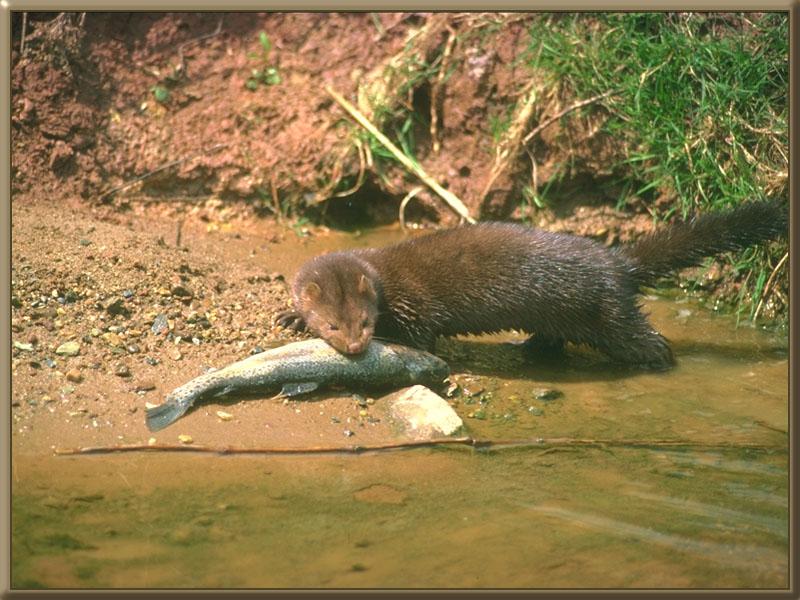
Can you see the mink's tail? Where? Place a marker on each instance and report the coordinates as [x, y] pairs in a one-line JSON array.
[[686, 244]]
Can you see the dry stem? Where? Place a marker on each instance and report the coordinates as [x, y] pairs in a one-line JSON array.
[[451, 199], [567, 110], [461, 441], [768, 284]]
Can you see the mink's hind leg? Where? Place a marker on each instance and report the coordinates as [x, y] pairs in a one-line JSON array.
[[635, 343]]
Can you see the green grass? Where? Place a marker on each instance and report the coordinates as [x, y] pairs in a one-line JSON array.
[[701, 105], [700, 108]]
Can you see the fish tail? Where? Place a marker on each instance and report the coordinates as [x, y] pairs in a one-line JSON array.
[[160, 416]]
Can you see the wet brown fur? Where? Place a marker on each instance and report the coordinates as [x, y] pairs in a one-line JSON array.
[[502, 276]]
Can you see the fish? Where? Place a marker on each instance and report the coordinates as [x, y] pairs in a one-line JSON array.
[[303, 367]]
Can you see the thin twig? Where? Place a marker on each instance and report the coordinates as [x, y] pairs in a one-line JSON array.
[[769, 283], [178, 233], [451, 199], [567, 110], [534, 174], [163, 167], [448, 49], [402, 211], [276, 203], [766, 425], [506, 150], [182, 61], [24, 30], [543, 443], [361, 171]]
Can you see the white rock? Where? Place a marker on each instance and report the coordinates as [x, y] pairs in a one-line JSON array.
[[423, 413]]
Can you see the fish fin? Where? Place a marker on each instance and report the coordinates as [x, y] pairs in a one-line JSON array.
[[226, 390], [160, 416], [297, 388]]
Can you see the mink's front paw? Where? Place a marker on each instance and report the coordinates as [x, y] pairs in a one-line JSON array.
[[290, 319]]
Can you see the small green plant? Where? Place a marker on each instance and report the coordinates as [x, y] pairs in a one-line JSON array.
[[160, 93], [300, 228], [266, 74], [499, 124]]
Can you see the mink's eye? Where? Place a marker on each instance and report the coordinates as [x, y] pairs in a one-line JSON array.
[[365, 322], [333, 327]]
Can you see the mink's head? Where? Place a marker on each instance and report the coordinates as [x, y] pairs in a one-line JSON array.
[[337, 295]]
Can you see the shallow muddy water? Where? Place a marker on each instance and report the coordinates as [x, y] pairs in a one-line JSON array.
[[698, 515], [643, 480], [428, 518]]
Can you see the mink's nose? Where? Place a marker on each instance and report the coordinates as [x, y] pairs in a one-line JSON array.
[[355, 348]]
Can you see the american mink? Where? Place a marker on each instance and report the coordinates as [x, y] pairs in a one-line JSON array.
[[491, 277]]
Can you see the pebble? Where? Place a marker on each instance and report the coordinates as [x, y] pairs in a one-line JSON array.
[[22, 346], [50, 363], [160, 324], [145, 386], [127, 294], [74, 375], [348, 433], [68, 349], [224, 415], [84, 242], [116, 307], [546, 395], [122, 371], [113, 339], [151, 441], [185, 439], [536, 412], [133, 349], [181, 291]]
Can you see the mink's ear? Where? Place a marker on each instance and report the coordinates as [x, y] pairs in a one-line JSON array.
[[311, 292], [366, 288]]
